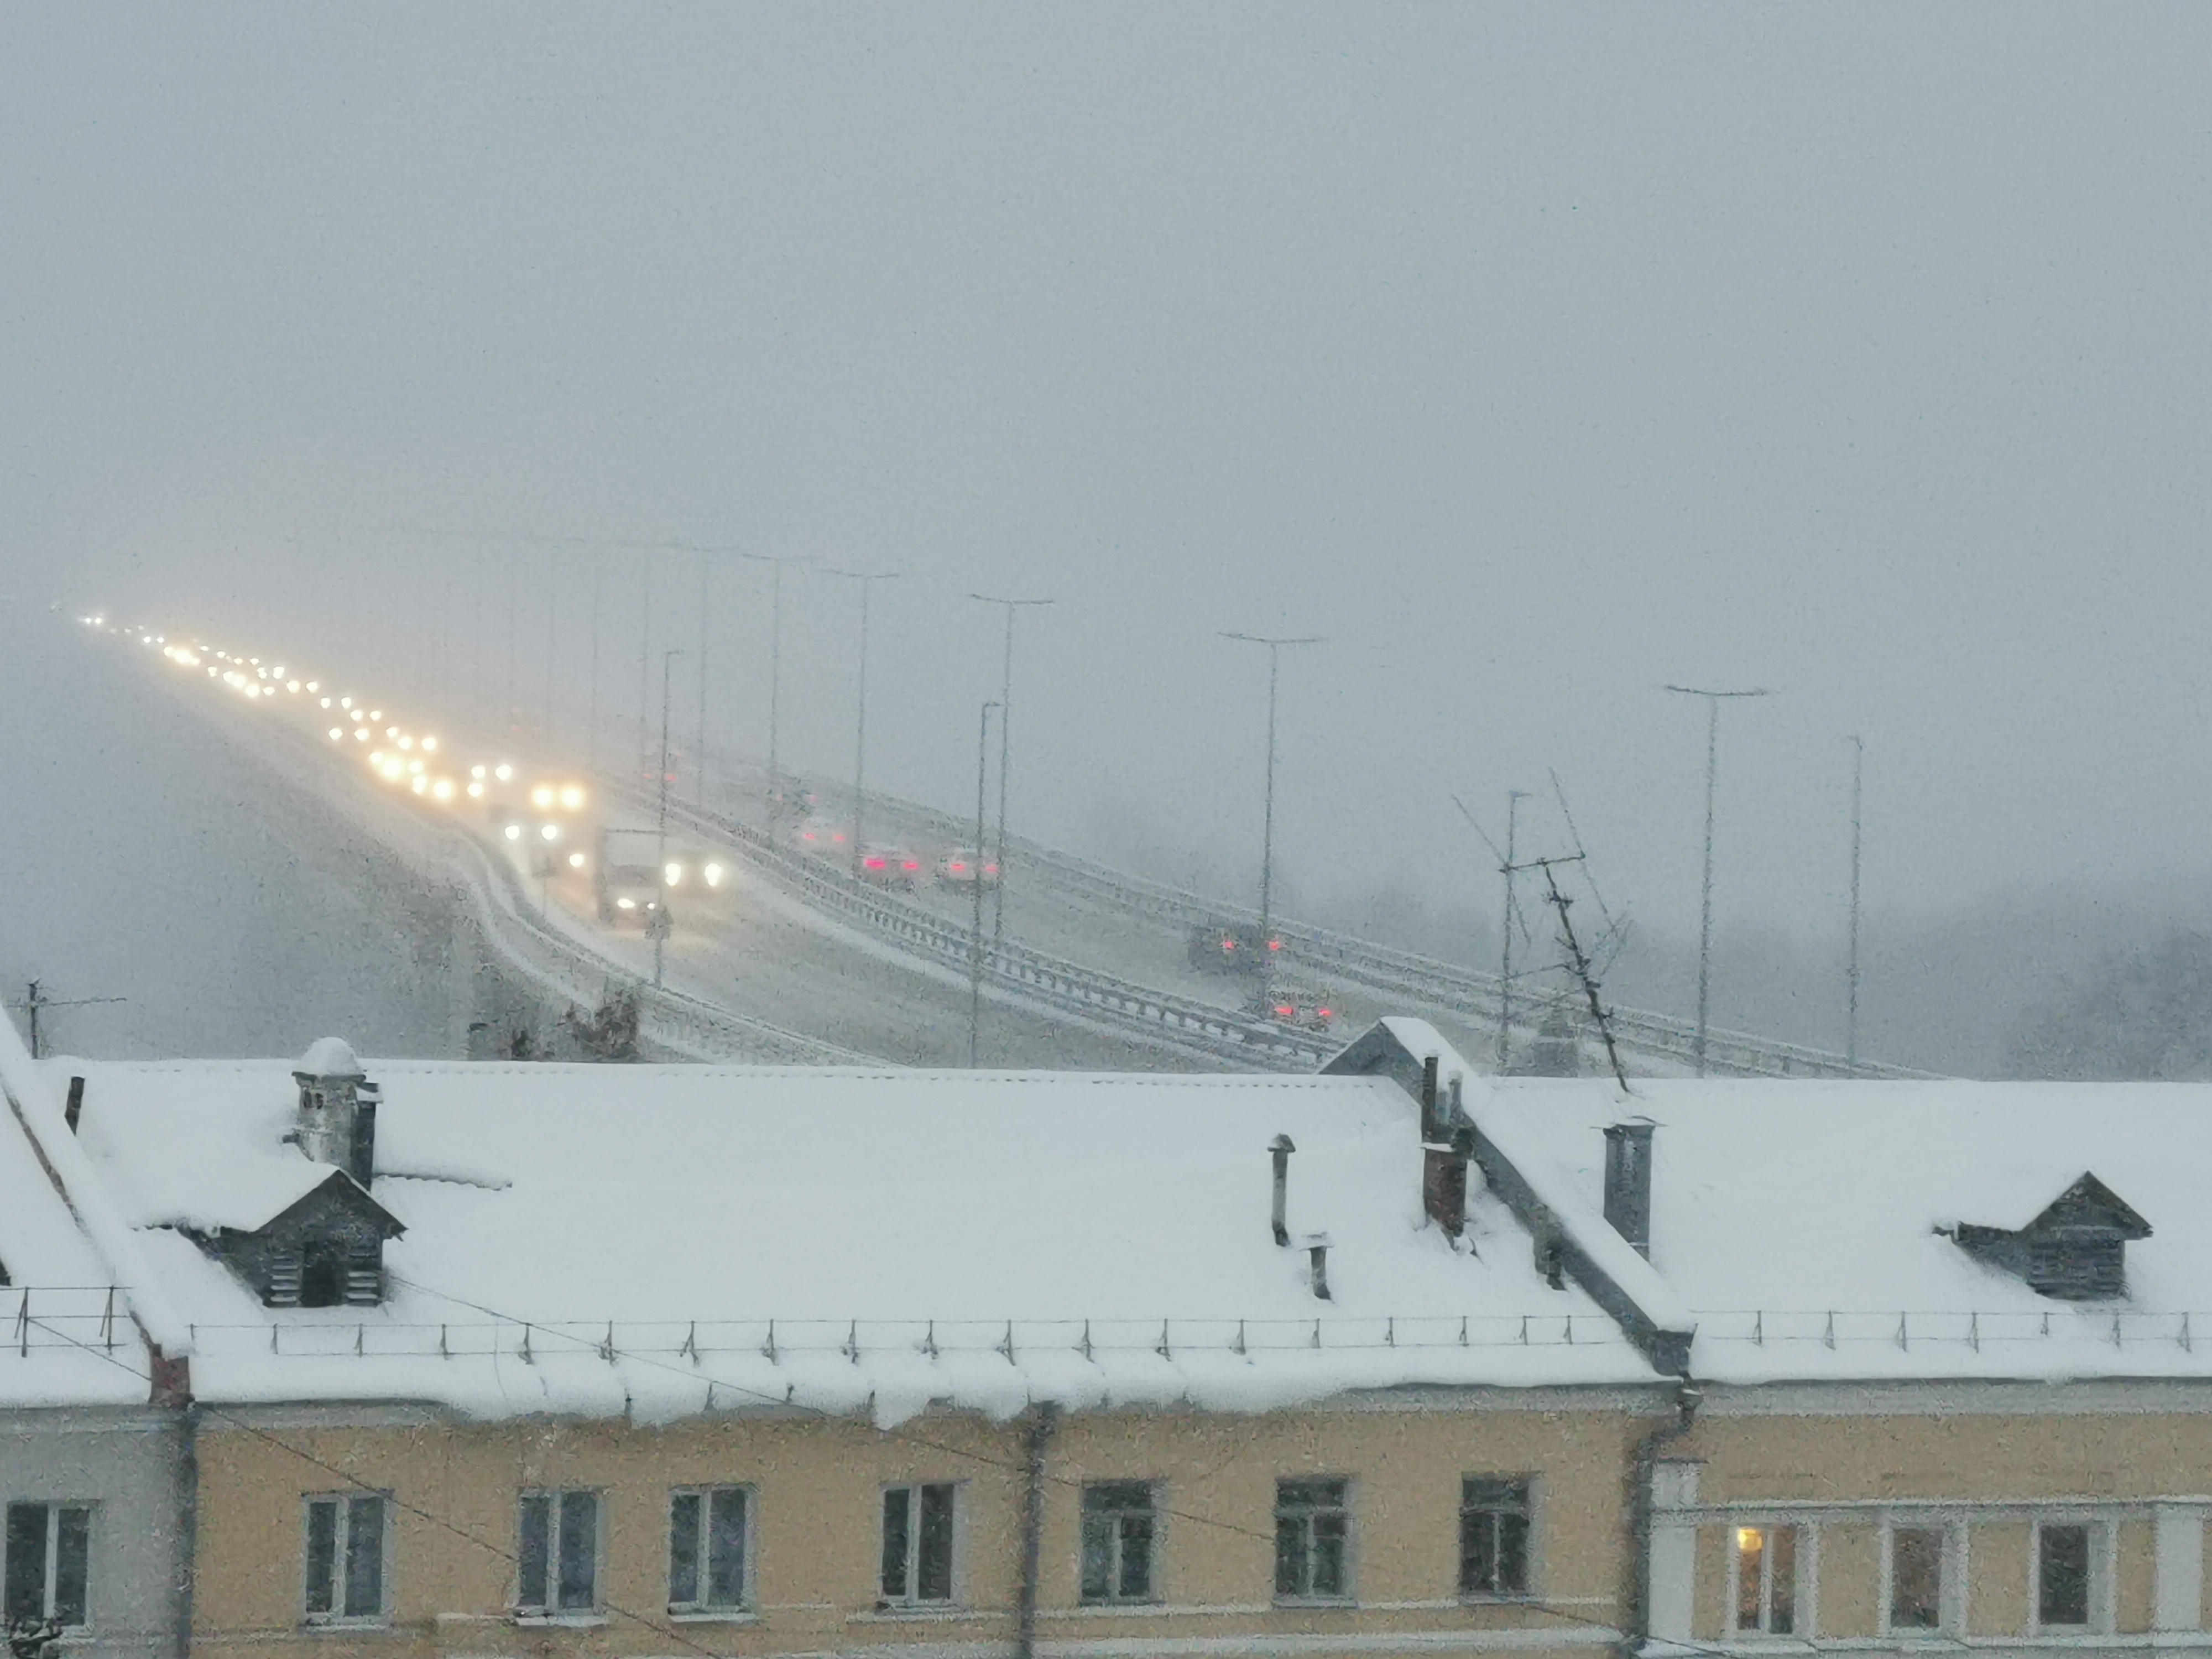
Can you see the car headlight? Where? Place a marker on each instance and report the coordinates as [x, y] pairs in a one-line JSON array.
[[713, 875], [513, 832], [626, 904]]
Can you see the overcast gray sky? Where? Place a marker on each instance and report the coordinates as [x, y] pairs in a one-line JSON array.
[[1535, 356]]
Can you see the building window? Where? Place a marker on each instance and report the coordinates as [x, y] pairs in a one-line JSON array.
[[2068, 1584], [1120, 1519], [1493, 1536], [49, 1567], [918, 1526], [345, 1557], [709, 1529], [1313, 1541], [1916, 1578], [558, 1548], [1767, 1580]]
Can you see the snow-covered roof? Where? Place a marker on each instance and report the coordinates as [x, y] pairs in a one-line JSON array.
[[986, 1237], [1799, 1220], [71, 1340]]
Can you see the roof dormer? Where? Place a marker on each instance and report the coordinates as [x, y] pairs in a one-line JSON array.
[[2075, 1250]]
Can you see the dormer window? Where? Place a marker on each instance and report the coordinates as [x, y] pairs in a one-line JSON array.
[[2074, 1250]]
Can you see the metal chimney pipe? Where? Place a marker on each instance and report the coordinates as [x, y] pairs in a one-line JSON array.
[[1317, 1253], [361, 1156], [1628, 1183], [75, 1109], [1281, 1148], [1429, 1098]]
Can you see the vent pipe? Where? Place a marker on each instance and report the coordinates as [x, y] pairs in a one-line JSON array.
[[1429, 1098], [361, 1153], [1281, 1148], [1628, 1182], [75, 1109], [1317, 1253]]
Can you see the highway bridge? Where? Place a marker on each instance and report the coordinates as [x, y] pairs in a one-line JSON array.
[[793, 960]]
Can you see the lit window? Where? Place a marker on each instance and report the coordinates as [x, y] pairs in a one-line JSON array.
[[559, 1553], [1313, 1539], [1767, 1580], [49, 1566], [1493, 1537], [707, 1549], [1916, 1578], [918, 1535], [1119, 1521], [346, 1548]]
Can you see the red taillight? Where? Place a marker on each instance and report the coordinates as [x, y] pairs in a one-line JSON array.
[[875, 863], [1229, 944], [806, 835], [1274, 945], [837, 836], [956, 866], [1326, 1013], [911, 864], [1284, 1011], [990, 869]]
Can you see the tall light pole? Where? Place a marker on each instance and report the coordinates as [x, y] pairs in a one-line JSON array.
[[645, 653], [597, 562], [660, 873], [1705, 906], [1513, 799], [975, 879], [1267, 836], [699, 754], [775, 562], [867, 580], [1006, 703], [1851, 971]]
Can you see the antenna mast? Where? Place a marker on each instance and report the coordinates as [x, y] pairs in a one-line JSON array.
[[1581, 964]]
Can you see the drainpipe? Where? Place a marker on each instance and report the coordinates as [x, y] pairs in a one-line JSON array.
[[1637, 1627], [1036, 1438], [172, 1390]]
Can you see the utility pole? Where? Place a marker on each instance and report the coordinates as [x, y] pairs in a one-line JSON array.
[[1513, 799], [34, 1001], [645, 657], [775, 562], [975, 879], [1267, 834], [1852, 972], [1705, 905], [597, 562], [1006, 704], [660, 910], [699, 754], [867, 581]]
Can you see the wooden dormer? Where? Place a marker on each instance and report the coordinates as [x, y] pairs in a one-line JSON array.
[[2074, 1249]]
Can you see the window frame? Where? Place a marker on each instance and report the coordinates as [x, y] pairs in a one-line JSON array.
[[1951, 1583], [2103, 1546], [1348, 1596], [1154, 1513], [1802, 1575], [910, 1601], [747, 1495], [550, 1611], [341, 1534], [50, 1565], [1529, 1490]]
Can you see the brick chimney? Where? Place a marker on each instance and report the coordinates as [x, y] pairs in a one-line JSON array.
[[330, 1080]]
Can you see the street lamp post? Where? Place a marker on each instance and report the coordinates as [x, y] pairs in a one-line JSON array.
[[775, 562], [1852, 972], [975, 877], [1267, 834], [867, 580], [1705, 904], [1006, 702], [660, 873]]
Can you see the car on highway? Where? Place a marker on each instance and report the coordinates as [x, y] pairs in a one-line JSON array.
[[829, 841], [1229, 947], [1301, 1008], [963, 866], [891, 867]]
